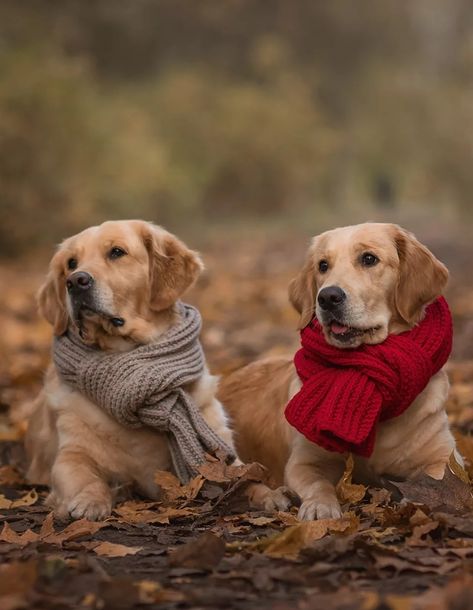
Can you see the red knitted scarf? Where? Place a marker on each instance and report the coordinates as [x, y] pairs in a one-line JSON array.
[[346, 392]]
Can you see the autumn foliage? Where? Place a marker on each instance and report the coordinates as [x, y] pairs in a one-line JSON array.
[[402, 545]]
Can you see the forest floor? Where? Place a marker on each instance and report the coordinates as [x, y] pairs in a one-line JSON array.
[[405, 548]]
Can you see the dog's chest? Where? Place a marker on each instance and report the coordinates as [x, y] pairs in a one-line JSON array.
[[122, 451], [406, 445]]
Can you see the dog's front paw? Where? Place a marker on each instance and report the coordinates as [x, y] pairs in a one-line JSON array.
[[90, 505], [281, 498], [315, 509], [262, 497]]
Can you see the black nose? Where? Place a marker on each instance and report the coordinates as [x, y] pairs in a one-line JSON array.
[[331, 297], [79, 281]]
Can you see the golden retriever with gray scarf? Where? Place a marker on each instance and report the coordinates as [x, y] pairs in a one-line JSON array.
[[116, 285]]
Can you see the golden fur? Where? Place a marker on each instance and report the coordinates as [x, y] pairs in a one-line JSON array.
[[388, 297], [73, 445]]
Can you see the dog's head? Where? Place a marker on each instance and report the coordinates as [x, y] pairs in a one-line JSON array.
[[366, 281], [118, 279]]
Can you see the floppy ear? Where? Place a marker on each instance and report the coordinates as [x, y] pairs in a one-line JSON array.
[[302, 291], [422, 277], [52, 300], [173, 267]]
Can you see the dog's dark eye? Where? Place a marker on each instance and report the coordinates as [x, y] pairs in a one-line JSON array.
[[72, 264], [369, 260], [116, 253], [323, 266]]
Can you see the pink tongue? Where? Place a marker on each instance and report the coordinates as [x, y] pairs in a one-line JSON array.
[[338, 329]]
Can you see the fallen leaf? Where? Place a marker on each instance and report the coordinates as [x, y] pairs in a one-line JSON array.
[[220, 472], [47, 533], [347, 491], [27, 500], [421, 530], [12, 537], [193, 488], [260, 521], [465, 447], [131, 512], [449, 494], [74, 530], [289, 542], [109, 549], [287, 518], [203, 553], [457, 469], [169, 483]]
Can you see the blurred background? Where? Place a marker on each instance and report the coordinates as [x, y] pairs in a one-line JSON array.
[[245, 126], [239, 111]]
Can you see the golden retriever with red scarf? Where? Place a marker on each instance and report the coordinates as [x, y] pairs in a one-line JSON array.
[[362, 282]]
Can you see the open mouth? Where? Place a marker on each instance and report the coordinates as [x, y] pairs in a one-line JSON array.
[[344, 333]]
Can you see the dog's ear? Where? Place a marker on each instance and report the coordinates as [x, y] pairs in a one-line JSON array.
[[422, 277], [303, 289], [51, 298], [173, 267]]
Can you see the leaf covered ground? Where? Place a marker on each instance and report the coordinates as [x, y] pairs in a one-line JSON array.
[[403, 546]]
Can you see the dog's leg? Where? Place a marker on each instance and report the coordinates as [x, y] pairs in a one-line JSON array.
[[260, 496], [78, 488], [313, 474]]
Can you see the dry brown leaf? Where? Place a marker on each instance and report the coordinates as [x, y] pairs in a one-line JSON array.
[[287, 518], [421, 530], [74, 530], [220, 472], [260, 521], [203, 553], [169, 483], [109, 549], [12, 537], [193, 488], [173, 489], [129, 514], [289, 543], [449, 494], [27, 500], [347, 491], [47, 533], [458, 469], [465, 447]]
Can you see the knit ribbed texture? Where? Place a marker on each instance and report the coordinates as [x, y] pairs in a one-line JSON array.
[[144, 387], [346, 392]]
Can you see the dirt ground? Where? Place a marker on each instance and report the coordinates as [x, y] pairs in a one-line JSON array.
[[403, 547]]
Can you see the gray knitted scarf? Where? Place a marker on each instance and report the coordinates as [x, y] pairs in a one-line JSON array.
[[145, 387]]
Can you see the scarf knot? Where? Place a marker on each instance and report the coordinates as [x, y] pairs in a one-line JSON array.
[[346, 392], [145, 387]]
